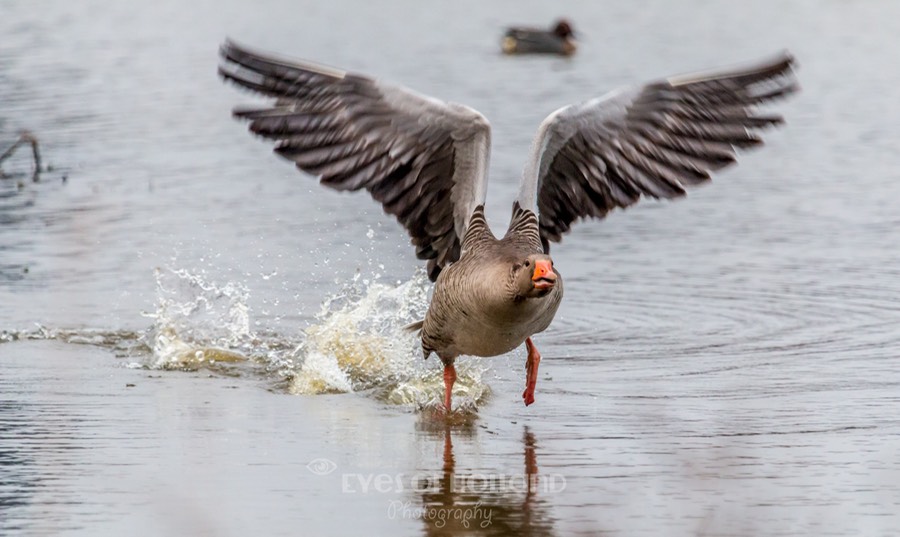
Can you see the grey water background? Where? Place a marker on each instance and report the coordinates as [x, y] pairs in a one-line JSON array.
[[722, 365]]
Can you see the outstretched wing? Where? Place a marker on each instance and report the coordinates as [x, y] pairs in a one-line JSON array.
[[425, 160], [652, 140]]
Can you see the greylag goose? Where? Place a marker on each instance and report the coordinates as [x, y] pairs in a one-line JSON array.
[[559, 39], [426, 162]]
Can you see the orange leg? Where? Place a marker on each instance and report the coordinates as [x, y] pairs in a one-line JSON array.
[[531, 369], [449, 379]]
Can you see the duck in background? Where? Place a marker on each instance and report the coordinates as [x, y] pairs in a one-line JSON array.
[[559, 39]]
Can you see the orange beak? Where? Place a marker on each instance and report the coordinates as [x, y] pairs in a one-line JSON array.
[[543, 277]]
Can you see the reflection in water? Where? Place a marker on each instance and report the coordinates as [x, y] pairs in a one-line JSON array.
[[13, 207], [472, 503], [16, 482], [40, 448], [17, 213]]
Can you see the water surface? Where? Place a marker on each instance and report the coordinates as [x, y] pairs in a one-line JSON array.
[[198, 340]]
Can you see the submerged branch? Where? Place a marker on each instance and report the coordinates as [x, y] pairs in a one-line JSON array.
[[26, 138]]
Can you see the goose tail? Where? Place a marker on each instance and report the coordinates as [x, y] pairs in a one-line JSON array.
[[414, 327]]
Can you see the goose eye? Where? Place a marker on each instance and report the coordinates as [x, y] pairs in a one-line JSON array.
[[527, 264]]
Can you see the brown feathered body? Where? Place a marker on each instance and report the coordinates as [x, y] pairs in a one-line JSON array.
[[481, 305]]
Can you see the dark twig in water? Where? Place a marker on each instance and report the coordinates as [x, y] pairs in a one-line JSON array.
[[26, 138]]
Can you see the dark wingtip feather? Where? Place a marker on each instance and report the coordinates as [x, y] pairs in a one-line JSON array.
[[433, 270], [779, 65], [683, 128]]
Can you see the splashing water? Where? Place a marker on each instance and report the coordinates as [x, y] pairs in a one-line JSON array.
[[357, 342], [123, 343], [198, 323]]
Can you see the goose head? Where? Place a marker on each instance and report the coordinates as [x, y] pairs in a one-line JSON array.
[[533, 276]]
